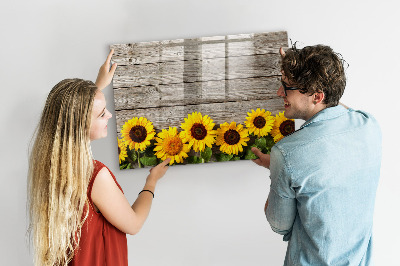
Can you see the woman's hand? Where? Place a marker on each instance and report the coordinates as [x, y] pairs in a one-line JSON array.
[[106, 74], [158, 171]]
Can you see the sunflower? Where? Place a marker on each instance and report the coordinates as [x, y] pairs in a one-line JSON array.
[[198, 131], [170, 144], [137, 133], [282, 127], [231, 138], [259, 122], [122, 153]]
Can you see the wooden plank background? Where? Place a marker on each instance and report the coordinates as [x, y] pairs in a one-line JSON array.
[[220, 76]]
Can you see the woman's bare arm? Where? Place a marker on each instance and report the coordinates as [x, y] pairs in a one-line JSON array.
[[114, 206]]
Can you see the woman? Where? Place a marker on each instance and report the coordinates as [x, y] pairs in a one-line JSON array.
[[78, 212]]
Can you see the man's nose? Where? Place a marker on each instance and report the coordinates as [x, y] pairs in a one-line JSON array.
[[281, 92]]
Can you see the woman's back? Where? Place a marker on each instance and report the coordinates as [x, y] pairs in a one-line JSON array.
[[101, 243]]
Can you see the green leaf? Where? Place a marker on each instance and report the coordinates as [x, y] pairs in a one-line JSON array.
[[223, 157], [235, 158], [270, 141], [206, 154], [250, 156], [132, 154], [269, 144], [194, 159], [123, 166], [261, 143], [148, 160], [266, 151], [149, 151]]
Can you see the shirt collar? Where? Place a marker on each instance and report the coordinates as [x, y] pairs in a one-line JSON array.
[[326, 114]]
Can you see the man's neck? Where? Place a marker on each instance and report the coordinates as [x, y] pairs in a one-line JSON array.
[[318, 108]]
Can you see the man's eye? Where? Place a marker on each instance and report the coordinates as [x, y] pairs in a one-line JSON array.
[[103, 114]]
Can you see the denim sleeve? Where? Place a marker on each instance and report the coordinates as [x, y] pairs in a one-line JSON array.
[[281, 210]]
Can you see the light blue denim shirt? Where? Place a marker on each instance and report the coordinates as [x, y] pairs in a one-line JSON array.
[[323, 184]]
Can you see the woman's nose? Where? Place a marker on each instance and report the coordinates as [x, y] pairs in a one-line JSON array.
[[109, 114]]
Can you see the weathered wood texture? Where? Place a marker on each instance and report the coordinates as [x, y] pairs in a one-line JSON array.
[[221, 76], [219, 112]]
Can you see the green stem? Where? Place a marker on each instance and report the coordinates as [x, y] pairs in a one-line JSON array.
[[201, 157], [138, 159]]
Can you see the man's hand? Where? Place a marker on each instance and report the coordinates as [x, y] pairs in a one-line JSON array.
[[105, 73], [263, 159]]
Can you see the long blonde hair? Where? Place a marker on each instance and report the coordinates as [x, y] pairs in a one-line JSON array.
[[60, 167]]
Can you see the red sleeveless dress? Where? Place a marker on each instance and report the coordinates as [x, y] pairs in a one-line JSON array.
[[101, 243]]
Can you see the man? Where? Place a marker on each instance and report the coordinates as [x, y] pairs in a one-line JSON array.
[[323, 176]]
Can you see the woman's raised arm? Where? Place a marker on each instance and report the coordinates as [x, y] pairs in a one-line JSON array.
[[105, 75]]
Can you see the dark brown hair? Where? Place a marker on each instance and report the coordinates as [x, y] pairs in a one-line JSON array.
[[316, 69]]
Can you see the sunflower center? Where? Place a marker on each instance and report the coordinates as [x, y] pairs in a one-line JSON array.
[[231, 137], [198, 131], [287, 127], [119, 150], [173, 145], [138, 134], [259, 122]]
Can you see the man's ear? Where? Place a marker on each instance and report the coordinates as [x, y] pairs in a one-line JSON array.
[[318, 97], [282, 52]]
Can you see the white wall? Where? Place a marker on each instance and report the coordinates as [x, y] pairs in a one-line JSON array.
[[202, 215]]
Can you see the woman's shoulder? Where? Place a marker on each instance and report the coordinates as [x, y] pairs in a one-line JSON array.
[[97, 167], [97, 164], [101, 168]]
